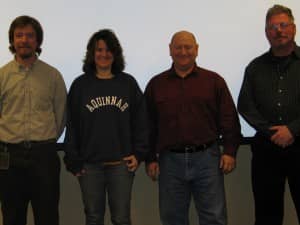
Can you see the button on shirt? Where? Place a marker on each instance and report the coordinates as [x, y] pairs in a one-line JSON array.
[[193, 110], [270, 93], [32, 102]]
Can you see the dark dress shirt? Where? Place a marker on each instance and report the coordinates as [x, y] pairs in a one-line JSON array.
[[193, 110], [270, 93]]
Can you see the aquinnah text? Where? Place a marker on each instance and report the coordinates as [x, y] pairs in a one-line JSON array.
[[98, 102]]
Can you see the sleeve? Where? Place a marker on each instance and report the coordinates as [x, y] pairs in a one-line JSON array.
[[294, 127], [59, 102], [248, 109], [139, 124], [72, 158], [229, 124], [152, 121]]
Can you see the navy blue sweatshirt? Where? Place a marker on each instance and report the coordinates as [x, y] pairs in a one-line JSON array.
[[106, 121]]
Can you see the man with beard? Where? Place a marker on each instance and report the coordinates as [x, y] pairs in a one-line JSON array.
[[32, 115], [269, 101]]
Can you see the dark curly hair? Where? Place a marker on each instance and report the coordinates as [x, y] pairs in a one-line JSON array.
[[23, 21], [113, 44]]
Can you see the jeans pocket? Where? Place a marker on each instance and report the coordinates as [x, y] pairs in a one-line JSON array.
[[214, 150]]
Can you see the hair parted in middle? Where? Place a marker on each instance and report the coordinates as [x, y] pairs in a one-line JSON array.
[[23, 21], [114, 46]]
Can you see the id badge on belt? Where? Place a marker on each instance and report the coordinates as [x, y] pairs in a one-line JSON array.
[[4, 157]]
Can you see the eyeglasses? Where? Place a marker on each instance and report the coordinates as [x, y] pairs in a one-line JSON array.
[[282, 26]]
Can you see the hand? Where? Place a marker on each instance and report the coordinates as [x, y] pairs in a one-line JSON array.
[[80, 173], [282, 137], [152, 170], [227, 163], [131, 163]]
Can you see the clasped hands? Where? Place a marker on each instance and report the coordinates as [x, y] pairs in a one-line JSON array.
[[282, 136]]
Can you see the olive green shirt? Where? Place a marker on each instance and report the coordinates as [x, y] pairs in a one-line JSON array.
[[32, 102]]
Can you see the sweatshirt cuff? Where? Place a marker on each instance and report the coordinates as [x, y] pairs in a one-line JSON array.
[[140, 156], [73, 166], [151, 157]]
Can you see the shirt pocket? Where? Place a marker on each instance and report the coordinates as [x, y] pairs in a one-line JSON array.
[[41, 98], [13, 97], [167, 111], [167, 107]]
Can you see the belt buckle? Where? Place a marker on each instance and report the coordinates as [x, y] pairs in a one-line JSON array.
[[27, 144], [189, 149]]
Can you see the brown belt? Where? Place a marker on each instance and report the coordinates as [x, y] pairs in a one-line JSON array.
[[113, 163]]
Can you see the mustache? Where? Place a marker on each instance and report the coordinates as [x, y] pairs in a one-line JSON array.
[[281, 36], [24, 46]]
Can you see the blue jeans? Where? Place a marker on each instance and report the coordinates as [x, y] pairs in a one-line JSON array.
[[114, 180], [186, 175]]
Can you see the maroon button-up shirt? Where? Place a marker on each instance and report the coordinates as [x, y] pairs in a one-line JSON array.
[[193, 110]]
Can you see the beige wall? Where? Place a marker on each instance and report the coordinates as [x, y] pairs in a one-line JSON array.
[[145, 202]]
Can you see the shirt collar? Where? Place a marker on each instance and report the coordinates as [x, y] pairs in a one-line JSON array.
[[20, 67], [173, 74], [295, 53]]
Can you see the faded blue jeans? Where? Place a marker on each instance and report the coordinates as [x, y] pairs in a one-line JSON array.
[[100, 181], [186, 175]]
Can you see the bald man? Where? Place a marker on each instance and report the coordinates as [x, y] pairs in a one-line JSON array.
[[190, 108]]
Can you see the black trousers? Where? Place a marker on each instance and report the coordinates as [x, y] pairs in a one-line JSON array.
[[272, 166], [33, 177]]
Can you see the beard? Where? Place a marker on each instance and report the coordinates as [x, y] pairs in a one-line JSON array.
[[283, 43], [25, 53], [26, 56]]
